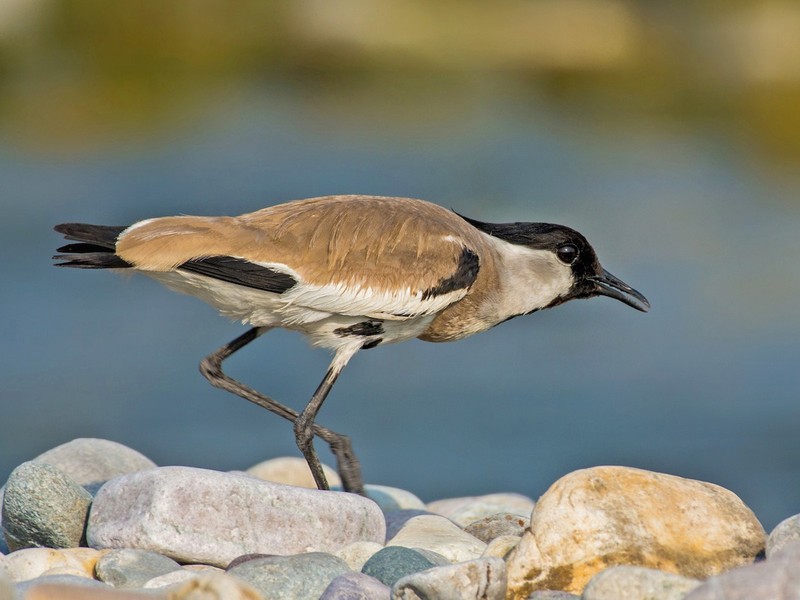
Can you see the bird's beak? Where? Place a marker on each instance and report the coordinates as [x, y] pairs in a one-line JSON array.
[[608, 285]]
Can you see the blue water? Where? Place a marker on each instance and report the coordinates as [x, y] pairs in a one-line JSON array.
[[704, 386]]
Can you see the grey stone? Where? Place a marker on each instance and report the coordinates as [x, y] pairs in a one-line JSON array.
[[90, 461], [552, 595], [494, 526], [129, 568], [197, 515], [469, 509], [777, 578], [785, 532], [392, 563], [638, 583], [297, 577], [481, 579], [43, 507], [355, 586], [395, 519]]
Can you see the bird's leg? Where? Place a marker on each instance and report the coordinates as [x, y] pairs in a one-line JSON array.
[[211, 367], [304, 426]]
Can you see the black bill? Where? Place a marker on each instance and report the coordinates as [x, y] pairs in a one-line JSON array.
[[608, 285]]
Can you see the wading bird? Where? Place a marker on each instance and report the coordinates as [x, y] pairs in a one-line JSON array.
[[350, 273]]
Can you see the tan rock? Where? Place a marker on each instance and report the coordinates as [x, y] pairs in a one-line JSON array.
[[30, 563], [604, 516], [357, 553], [291, 470], [500, 546]]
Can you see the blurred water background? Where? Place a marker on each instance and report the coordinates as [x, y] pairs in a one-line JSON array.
[[668, 133]]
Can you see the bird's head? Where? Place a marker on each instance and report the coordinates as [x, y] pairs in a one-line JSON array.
[[564, 255]]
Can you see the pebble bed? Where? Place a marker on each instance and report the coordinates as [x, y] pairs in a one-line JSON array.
[[92, 519]]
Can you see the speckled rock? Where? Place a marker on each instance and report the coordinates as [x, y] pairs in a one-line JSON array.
[[392, 499], [216, 586], [394, 562], [440, 535], [494, 526], [129, 568], [777, 578], [297, 577], [638, 583], [554, 595], [292, 470], [90, 461], [785, 532], [31, 563], [43, 507], [355, 586], [196, 515], [54, 589], [481, 579], [596, 518], [469, 509], [357, 553], [395, 519]]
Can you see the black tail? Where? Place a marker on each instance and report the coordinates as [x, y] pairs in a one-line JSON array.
[[95, 250]]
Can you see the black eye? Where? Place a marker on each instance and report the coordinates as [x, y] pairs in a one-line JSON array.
[[567, 253]]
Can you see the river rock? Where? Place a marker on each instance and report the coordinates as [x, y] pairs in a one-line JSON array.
[[469, 509], [494, 526], [392, 563], [292, 470], [499, 547], [31, 563], [395, 519], [481, 579], [638, 583], [129, 568], [90, 461], [785, 532], [392, 498], [357, 553], [51, 589], [356, 586], [777, 578], [197, 515], [440, 535], [43, 507], [604, 516], [215, 586], [297, 577]]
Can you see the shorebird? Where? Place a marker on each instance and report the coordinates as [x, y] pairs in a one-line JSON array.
[[350, 273]]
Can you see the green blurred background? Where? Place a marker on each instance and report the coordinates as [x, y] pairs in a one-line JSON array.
[[667, 132]]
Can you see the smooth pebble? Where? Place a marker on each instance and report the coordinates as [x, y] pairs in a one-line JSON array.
[[468, 509], [638, 583], [357, 553], [494, 526], [355, 586], [481, 579], [604, 516], [129, 568], [31, 563], [297, 577], [43, 508], [292, 470], [777, 578], [785, 532], [440, 535], [188, 514], [394, 562]]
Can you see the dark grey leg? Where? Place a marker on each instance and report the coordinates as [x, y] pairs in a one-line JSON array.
[[347, 463]]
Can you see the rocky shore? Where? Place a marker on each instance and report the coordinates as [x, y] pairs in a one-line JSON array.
[[95, 520]]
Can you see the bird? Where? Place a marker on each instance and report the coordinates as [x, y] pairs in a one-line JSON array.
[[350, 272]]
